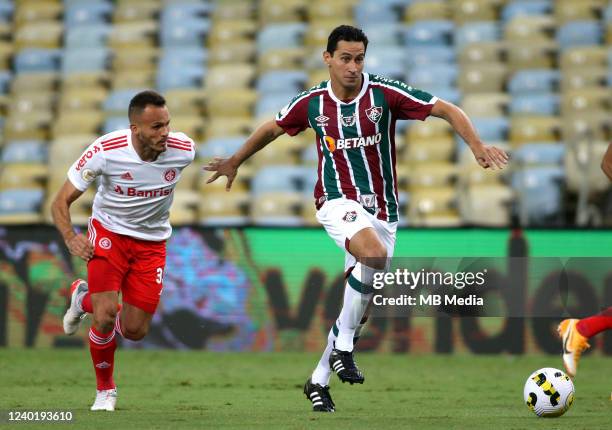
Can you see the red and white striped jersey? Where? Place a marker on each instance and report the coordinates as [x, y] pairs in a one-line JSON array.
[[133, 196], [356, 138]]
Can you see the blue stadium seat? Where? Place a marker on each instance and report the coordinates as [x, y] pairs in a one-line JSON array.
[[386, 61], [450, 94], [283, 81], [429, 33], [537, 104], [189, 76], [535, 80], [220, 146], [383, 34], [579, 33], [175, 13], [279, 36], [272, 103], [87, 12], [37, 60], [5, 80], [191, 32], [118, 100], [16, 201], [85, 60], [433, 76], [176, 58], [92, 35], [423, 55], [539, 191], [526, 7], [25, 151], [539, 153], [278, 178], [115, 123], [608, 13], [474, 32], [491, 129], [369, 11], [6, 11]]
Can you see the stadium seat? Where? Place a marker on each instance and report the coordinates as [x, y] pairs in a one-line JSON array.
[[33, 125], [584, 56], [568, 10], [185, 101], [231, 102], [282, 81], [36, 11], [231, 31], [530, 28], [37, 60], [25, 151], [386, 61], [176, 13], [280, 208], [430, 129], [92, 35], [84, 60], [424, 10], [281, 59], [484, 52], [135, 11], [189, 32], [433, 76], [189, 76], [486, 205], [281, 11], [81, 122], [577, 126], [434, 150], [279, 36], [539, 154], [477, 32], [23, 175], [539, 194], [534, 81], [485, 105], [534, 55], [220, 147], [39, 34], [321, 10], [138, 34], [466, 11], [224, 209], [269, 104], [579, 33], [230, 76], [124, 80], [31, 101], [231, 10], [431, 207], [516, 8], [429, 33], [433, 174], [423, 55], [318, 31], [366, 12], [87, 13], [582, 166], [383, 33], [22, 205], [277, 179], [491, 129], [82, 99], [482, 78], [586, 100], [536, 104], [526, 129]]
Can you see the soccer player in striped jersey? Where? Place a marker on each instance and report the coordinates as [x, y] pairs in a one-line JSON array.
[[138, 169], [354, 115], [575, 333]]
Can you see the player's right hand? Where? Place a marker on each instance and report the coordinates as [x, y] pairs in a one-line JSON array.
[[222, 167], [79, 246]]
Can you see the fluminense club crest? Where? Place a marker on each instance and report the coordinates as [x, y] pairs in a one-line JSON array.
[[374, 113], [350, 216]]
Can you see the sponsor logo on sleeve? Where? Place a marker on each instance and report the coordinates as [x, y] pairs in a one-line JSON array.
[[88, 175]]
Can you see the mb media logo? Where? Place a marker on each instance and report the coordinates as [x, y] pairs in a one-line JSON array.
[[355, 142]]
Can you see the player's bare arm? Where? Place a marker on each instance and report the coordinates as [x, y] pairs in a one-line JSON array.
[[606, 163], [263, 135], [60, 210], [486, 155]]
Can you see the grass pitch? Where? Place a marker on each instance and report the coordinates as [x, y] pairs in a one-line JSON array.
[[170, 390]]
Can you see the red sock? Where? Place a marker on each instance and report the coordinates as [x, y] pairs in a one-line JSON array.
[[86, 303], [589, 327], [102, 347]]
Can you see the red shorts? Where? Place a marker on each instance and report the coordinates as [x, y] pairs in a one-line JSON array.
[[122, 263]]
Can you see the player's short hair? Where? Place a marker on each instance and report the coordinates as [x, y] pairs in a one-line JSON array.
[[141, 100], [348, 33]]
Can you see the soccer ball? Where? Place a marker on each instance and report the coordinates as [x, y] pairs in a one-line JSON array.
[[549, 392]]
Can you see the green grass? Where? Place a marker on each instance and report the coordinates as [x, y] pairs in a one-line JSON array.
[[168, 390]]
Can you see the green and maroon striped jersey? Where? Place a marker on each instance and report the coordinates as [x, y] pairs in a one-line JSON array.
[[356, 139]]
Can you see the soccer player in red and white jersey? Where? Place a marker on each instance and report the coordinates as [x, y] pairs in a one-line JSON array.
[[575, 333], [137, 170], [354, 115]]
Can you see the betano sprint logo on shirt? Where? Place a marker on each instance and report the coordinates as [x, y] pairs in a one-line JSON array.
[[353, 142]]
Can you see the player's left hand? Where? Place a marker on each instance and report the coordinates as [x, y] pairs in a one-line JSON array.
[[490, 157]]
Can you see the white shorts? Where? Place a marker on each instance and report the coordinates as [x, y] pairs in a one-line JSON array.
[[343, 218]]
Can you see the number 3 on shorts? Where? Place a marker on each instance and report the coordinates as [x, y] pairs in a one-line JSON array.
[[160, 275]]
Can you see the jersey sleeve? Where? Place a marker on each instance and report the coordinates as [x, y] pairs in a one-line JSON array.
[[87, 167], [407, 102], [184, 141], [293, 118]]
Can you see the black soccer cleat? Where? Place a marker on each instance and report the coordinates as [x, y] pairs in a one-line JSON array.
[[343, 363], [319, 396]]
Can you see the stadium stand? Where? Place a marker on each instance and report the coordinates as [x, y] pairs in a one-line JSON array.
[[533, 74]]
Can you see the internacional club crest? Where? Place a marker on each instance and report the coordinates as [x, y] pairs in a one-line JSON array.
[[350, 216], [374, 113], [105, 243], [169, 175]]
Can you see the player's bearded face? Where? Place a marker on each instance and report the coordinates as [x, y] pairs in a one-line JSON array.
[[153, 127], [346, 64]]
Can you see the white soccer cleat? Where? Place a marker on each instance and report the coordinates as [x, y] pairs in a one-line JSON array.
[[105, 400], [75, 314]]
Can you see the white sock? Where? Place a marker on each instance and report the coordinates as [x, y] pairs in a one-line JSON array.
[[323, 372]]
